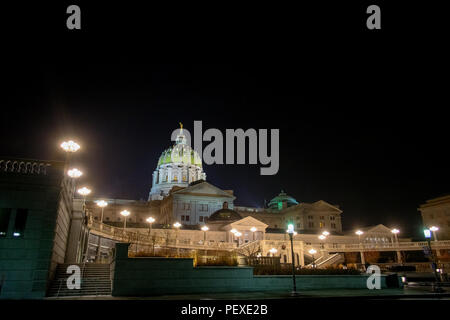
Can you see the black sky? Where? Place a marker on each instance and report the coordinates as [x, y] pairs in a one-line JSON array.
[[362, 119]]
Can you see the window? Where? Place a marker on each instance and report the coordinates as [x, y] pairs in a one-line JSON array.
[[298, 225], [107, 218], [298, 218], [200, 219], [4, 221], [186, 206], [311, 224], [322, 217], [321, 225], [19, 224], [187, 218], [184, 178], [175, 178], [182, 218], [203, 207], [310, 217], [333, 225], [96, 218], [332, 218]]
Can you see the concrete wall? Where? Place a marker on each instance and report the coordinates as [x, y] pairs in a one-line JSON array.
[[152, 276], [27, 263]]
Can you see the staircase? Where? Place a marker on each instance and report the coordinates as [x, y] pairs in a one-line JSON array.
[[325, 261], [95, 281]]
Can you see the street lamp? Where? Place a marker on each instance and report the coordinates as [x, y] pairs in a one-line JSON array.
[[125, 213], [359, 233], [253, 230], [313, 252], [326, 233], [238, 234], [395, 232], [291, 237], [70, 146], [322, 237], [150, 220], [434, 229], [84, 192], [177, 226], [102, 204], [204, 229], [427, 233], [74, 173], [273, 251]]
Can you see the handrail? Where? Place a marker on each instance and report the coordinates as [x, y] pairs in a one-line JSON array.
[[137, 237]]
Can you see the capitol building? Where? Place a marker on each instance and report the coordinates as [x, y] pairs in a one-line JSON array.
[[180, 194]]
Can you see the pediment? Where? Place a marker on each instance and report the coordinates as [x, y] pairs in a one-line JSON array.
[[204, 189], [248, 222], [323, 205], [380, 228]]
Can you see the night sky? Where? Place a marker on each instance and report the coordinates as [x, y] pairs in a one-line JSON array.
[[362, 124]]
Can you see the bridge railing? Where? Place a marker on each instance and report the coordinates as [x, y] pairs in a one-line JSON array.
[[147, 239]]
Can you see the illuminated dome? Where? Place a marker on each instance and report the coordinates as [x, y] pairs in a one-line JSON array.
[[282, 201], [178, 165]]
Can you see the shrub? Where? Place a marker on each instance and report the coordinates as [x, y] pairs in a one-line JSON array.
[[283, 270]]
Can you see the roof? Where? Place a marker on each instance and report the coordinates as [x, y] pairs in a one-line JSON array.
[[224, 215]]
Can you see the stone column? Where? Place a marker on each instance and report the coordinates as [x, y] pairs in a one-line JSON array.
[[363, 261], [169, 175], [399, 257], [302, 255]]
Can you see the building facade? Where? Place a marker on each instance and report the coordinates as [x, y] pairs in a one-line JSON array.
[[35, 220], [436, 212]]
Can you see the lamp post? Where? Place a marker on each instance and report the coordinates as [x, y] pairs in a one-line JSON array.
[[102, 204], [253, 230], [69, 147], [125, 213], [204, 229], [84, 192], [326, 233], [177, 226], [434, 229], [150, 220], [435, 288], [273, 251], [359, 233], [395, 232], [74, 173], [291, 237], [312, 252], [238, 234], [233, 232]]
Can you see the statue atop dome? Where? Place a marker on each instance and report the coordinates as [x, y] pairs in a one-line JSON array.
[[178, 165]]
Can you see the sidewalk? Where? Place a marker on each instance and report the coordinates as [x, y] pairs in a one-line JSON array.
[[397, 294]]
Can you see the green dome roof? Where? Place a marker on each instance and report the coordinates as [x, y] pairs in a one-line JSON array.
[[282, 201], [224, 215], [180, 154]]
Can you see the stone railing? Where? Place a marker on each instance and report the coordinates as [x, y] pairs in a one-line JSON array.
[[122, 235], [27, 166]]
